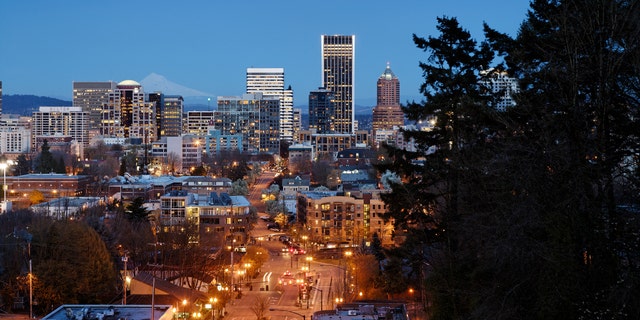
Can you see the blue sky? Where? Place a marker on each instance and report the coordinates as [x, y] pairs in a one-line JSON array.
[[208, 44]]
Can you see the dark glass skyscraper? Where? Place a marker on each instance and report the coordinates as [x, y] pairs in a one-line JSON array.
[[321, 111]]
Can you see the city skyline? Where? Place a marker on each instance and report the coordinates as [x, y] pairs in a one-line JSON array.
[[208, 46]]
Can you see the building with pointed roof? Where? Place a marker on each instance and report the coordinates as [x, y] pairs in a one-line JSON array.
[[387, 114]]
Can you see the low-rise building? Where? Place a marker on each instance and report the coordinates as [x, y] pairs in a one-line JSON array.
[[352, 217], [213, 214], [52, 185], [111, 312], [66, 207], [290, 187], [358, 310]]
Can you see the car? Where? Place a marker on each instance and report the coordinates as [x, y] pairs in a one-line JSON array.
[[241, 248], [286, 279], [296, 250]]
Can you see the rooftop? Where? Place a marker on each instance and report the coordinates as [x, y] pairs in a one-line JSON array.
[[110, 312]]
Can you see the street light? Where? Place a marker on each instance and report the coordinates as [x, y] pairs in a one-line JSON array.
[[302, 315], [347, 254], [309, 259], [246, 271], [211, 305], [4, 166]]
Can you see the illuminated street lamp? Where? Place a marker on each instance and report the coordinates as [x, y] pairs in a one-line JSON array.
[[4, 167], [246, 271], [212, 306], [309, 259], [348, 255]]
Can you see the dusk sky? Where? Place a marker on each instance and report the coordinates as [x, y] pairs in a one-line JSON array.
[[207, 45]]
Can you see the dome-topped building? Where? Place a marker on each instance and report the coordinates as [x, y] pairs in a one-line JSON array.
[[387, 114], [388, 88], [128, 83], [388, 74]]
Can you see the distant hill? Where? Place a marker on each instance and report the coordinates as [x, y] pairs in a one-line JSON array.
[[25, 104]]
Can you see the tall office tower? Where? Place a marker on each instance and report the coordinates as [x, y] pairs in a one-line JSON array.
[[127, 115], [0, 99], [255, 116], [91, 97], [171, 119], [387, 113], [157, 100], [61, 121], [270, 81], [321, 111], [297, 122], [338, 76], [168, 109]]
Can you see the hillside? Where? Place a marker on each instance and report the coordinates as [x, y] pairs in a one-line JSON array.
[[24, 104]]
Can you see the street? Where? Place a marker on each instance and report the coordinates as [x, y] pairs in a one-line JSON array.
[[282, 301]]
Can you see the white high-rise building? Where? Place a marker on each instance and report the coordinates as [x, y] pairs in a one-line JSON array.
[[66, 121], [270, 82]]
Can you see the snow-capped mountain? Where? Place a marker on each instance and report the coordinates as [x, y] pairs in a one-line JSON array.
[[155, 82]]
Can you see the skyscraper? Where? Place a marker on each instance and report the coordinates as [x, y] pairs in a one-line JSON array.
[[168, 110], [171, 118], [321, 111], [91, 97], [63, 121], [127, 115], [254, 116], [270, 81], [338, 76], [0, 99], [387, 113]]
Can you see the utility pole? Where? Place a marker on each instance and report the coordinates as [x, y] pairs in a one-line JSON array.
[[125, 258]]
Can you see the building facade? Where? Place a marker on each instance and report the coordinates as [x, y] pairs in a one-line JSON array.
[[333, 216], [92, 97], [198, 122], [52, 185], [62, 121], [216, 142], [297, 122], [127, 115], [171, 116], [168, 110], [254, 116], [321, 111], [213, 213], [14, 140], [338, 76], [180, 154], [270, 82], [327, 146], [387, 114]]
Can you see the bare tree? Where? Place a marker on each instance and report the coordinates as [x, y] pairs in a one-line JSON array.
[[260, 307]]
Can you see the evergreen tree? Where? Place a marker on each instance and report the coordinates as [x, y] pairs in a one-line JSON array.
[[136, 211], [523, 214], [23, 165], [45, 161]]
